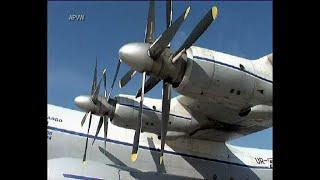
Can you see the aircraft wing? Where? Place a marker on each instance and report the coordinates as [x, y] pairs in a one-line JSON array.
[[74, 168], [220, 123]]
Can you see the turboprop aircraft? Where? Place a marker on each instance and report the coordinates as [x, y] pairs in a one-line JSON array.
[[222, 97]]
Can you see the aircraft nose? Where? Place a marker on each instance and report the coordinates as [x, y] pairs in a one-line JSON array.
[[83, 102], [136, 56]]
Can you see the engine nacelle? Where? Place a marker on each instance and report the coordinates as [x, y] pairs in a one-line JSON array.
[[127, 110], [226, 79]]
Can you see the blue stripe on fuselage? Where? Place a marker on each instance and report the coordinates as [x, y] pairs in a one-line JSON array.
[[79, 177], [154, 149]]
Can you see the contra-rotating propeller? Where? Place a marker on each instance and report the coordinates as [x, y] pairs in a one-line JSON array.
[[98, 105], [148, 39], [156, 59]]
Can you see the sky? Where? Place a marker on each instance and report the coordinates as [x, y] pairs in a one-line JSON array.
[[242, 28]]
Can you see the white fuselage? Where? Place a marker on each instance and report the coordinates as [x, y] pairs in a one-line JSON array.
[[184, 158]]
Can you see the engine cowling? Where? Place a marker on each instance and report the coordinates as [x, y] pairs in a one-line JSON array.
[[225, 79]]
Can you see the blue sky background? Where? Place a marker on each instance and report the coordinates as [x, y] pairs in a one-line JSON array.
[[242, 28]]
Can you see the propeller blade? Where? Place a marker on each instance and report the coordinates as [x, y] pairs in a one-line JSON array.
[[94, 82], [150, 23], [151, 82], [105, 122], [166, 100], [164, 39], [135, 146], [84, 119], [105, 82], [127, 77], [114, 78], [85, 150], [199, 29], [96, 92], [98, 129], [97, 89], [169, 12]]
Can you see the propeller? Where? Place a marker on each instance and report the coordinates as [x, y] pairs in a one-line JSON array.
[[94, 98], [96, 92], [85, 150], [154, 51], [166, 101], [103, 119], [156, 59], [148, 39], [84, 118], [169, 13], [94, 82], [166, 93], [197, 31], [151, 82], [98, 105], [114, 78], [150, 28], [164, 39], [127, 77], [93, 87], [104, 73], [134, 153]]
